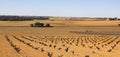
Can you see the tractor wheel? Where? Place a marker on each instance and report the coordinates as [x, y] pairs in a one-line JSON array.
[[47, 25], [31, 25]]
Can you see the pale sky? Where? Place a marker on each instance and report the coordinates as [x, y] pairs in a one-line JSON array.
[[76, 8]]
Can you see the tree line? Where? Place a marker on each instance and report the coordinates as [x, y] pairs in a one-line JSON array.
[[22, 18]]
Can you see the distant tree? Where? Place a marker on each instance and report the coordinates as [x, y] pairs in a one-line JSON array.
[[21, 18], [116, 18]]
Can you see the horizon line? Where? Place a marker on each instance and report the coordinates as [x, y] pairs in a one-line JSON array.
[[57, 16]]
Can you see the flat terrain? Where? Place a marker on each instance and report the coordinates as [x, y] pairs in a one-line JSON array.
[[62, 23], [66, 39]]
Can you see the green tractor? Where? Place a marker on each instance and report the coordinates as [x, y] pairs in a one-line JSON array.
[[38, 24]]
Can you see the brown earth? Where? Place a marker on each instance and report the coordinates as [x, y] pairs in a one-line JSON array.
[[59, 41]]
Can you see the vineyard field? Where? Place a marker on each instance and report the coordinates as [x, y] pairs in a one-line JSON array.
[[59, 42]]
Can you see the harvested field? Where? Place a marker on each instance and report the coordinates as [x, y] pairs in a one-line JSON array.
[[63, 23]]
